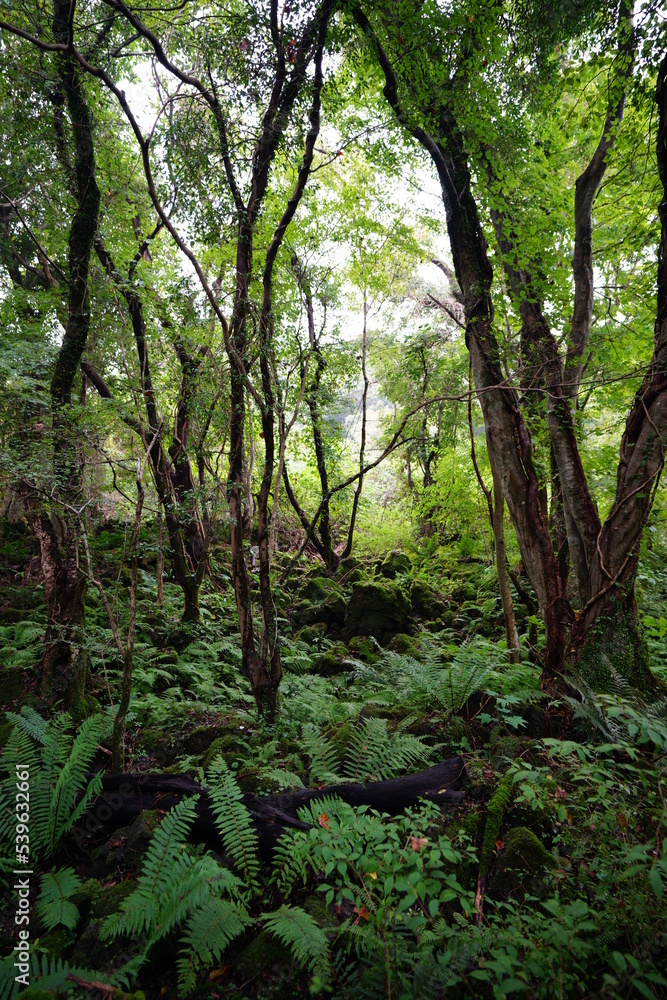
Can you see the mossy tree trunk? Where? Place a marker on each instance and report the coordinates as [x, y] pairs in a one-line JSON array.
[[66, 662]]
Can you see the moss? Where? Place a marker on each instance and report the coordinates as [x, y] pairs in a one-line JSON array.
[[404, 644], [523, 851], [426, 601], [615, 648], [150, 739], [364, 648], [262, 952], [97, 900], [394, 564], [311, 634], [332, 661], [380, 609], [222, 746], [56, 942], [494, 820], [464, 592], [316, 907]]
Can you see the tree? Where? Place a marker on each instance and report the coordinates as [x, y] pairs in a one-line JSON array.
[[428, 93]]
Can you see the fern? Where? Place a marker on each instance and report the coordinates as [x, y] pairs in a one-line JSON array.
[[323, 755], [207, 933], [305, 939], [166, 863], [54, 905], [234, 822], [59, 774], [174, 890], [47, 975]]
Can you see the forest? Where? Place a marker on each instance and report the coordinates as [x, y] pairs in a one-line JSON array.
[[333, 546]]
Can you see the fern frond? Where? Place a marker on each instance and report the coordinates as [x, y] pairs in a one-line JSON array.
[[54, 905], [303, 936], [30, 723], [165, 864], [234, 822], [323, 756], [207, 934]]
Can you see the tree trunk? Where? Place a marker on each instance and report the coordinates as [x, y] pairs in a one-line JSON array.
[[362, 446], [66, 663], [511, 633]]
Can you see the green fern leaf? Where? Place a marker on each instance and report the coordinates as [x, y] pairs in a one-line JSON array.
[[54, 906], [234, 822], [303, 936], [207, 934]]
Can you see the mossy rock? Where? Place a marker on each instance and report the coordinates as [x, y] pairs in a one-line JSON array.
[[310, 634], [226, 746], [96, 900], [425, 600], [139, 835], [317, 588], [377, 609], [524, 852], [364, 648], [150, 739], [91, 952], [349, 563], [317, 908], [470, 610], [404, 644], [262, 952], [447, 653], [395, 564], [55, 944], [464, 592], [333, 661], [330, 612]]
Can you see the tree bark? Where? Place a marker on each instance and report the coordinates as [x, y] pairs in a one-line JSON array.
[[66, 663]]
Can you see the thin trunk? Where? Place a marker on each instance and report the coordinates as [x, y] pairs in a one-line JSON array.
[[511, 632], [248, 500], [117, 748], [172, 473], [347, 551], [313, 391], [496, 510], [586, 189], [159, 568]]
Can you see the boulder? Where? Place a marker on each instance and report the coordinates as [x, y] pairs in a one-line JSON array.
[[380, 609], [426, 601], [394, 564]]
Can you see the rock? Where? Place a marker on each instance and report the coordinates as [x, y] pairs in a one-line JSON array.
[[262, 952], [330, 612], [464, 592], [404, 644], [394, 564], [333, 661], [426, 601], [365, 648], [380, 609], [311, 634]]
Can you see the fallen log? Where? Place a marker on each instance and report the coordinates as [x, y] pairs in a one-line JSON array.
[[125, 796]]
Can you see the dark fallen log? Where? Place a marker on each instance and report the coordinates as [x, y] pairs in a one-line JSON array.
[[125, 796]]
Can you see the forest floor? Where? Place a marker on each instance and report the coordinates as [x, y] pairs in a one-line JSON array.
[[547, 879]]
